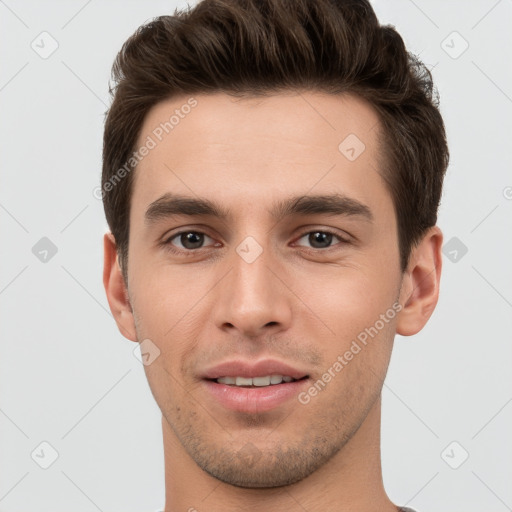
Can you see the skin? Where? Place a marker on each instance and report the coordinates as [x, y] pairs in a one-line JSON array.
[[298, 302]]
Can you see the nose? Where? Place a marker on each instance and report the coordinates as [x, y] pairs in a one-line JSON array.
[[252, 301]]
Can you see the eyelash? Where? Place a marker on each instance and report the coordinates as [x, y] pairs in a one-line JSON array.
[[191, 252]]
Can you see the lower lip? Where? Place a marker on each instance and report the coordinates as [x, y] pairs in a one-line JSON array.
[[257, 399]]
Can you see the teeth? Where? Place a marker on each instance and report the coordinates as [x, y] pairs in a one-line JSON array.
[[227, 380], [261, 381], [266, 380], [242, 381]]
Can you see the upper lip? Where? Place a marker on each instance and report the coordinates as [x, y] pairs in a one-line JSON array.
[[240, 368]]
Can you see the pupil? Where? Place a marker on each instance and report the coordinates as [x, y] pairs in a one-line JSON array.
[[191, 240], [319, 239]]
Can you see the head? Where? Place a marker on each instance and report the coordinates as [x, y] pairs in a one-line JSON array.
[[271, 179]]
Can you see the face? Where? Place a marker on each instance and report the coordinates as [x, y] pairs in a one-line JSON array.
[[260, 247]]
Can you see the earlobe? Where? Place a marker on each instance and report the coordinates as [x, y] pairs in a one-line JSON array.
[[115, 288], [420, 285]]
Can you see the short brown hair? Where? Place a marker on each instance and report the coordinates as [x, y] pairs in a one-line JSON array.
[[260, 47]]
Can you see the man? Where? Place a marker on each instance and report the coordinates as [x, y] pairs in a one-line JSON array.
[[271, 176]]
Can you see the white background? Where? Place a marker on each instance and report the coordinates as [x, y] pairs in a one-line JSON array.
[[69, 378]]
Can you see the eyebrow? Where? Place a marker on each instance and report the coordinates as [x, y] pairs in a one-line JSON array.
[[171, 204]]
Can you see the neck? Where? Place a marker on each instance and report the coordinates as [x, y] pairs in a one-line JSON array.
[[351, 480]]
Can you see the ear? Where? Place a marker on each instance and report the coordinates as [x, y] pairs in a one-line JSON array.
[[420, 284], [115, 287]]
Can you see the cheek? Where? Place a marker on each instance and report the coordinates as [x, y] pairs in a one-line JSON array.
[[358, 310], [351, 299], [171, 309], [164, 297]]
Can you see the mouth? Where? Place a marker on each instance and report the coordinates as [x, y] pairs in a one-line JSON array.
[[254, 387]]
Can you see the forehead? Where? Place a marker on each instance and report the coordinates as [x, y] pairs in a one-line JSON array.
[[250, 150]]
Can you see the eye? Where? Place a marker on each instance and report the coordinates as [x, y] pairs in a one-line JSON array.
[[188, 240], [320, 239]]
